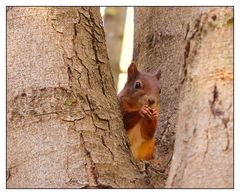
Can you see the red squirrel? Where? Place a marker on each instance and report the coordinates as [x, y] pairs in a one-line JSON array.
[[140, 108]]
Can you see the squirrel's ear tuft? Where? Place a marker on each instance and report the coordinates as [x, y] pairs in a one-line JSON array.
[[158, 74], [132, 71]]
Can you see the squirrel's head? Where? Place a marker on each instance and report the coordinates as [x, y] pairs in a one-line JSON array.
[[143, 88]]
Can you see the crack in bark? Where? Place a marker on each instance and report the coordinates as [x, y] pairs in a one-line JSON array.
[[90, 165], [92, 111], [51, 21], [215, 111], [74, 42], [72, 181], [88, 74], [70, 76], [207, 145], [187, 31], [220, 114], [228, 141], [91, 24], [74, 47], [194, 131], [94, 47], [110, 151], [54, 28]]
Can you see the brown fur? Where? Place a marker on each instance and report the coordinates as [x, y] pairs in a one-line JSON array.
[[139, 107]]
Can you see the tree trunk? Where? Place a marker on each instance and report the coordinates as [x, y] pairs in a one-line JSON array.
[[203, 156], [64, 128], [193, 48], [158, 44], [114, 22]]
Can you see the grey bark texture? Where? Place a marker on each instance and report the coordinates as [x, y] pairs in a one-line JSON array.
[[64, 128], [193, 48]]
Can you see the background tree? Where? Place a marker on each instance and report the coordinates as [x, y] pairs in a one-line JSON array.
[[64, 128], [193, 48], [114, 21]]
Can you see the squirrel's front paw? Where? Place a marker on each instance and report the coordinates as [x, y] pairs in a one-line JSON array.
[[147, 112]]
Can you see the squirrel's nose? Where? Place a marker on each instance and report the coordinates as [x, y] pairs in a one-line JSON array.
[[151, 101]]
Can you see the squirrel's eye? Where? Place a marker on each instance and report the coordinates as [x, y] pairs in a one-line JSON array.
[[159, 91], [137, 85]]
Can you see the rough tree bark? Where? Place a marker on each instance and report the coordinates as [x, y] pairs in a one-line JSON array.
[[193, 48], [64, 128], [203, 156]]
